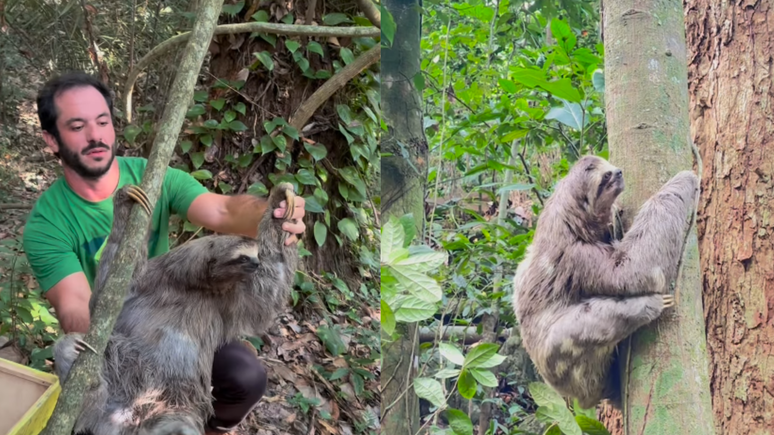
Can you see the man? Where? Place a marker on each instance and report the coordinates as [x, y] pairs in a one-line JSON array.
[[72, 219]]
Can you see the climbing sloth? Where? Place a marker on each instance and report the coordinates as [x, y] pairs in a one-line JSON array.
[[180, 307], [578, 291]]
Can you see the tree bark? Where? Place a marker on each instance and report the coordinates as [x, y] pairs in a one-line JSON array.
[[404, 179], [83, 375], [730, 67], [665, 369]]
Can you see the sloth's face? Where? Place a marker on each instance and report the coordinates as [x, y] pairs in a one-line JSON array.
[[238, 265], [604, 182]]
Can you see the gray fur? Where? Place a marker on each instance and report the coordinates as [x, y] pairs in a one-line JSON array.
[[180, 308], [578, 292]]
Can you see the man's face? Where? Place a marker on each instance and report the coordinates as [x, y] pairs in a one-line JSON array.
[[86, 133]]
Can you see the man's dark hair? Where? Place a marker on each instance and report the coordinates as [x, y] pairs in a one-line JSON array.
[[54, 87]]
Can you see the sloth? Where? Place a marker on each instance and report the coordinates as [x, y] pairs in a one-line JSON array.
[[579, 291], [180, 307]]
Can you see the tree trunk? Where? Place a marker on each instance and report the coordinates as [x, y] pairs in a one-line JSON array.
[[404, 181], [665, 368], [729, 47]]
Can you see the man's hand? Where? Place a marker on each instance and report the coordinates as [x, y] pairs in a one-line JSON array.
[[296, 227]]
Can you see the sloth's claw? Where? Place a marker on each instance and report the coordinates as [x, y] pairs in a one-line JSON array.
[[290, 203], [669, 301], [140, 197], [80, 345]]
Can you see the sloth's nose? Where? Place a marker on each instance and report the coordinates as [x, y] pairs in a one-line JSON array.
[[618, 173]]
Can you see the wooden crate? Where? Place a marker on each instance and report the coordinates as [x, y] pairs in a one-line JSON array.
[[27, 398]]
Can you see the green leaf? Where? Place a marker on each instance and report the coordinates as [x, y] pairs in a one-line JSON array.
[[387, 316], [265, 59], [240, 107], [424, 262], [409, 228], [484, 377], [417, 283], [261, 16], [450, 352], [459, 422], [200, 96], [430, 390], [233, 9], [598, 79], [320, 233], [311, 205], [131, 132], [315, 47], [348, 227], [195, 111], [563, 34], [508, 86], [305, 176], [447, 373], [318, 152], [292, 46], [346, 55], [415, 310], [591, 426], [335, 18], [590, 412], [206, 139], [280, 141], [339, 373], [229, 116], [561, 415], [197, 159], [321, 195], [480, 355], [202, 174], [218, 104], [211, 124], [332, 340], [388, 25], [237, 126], [23, 314], [529, 77], [562, 88], [392, 240], [350, 174], [570, 114], [467, 384], [258, 188]]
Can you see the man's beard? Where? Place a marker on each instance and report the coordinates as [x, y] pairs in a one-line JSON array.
[[73, 161]]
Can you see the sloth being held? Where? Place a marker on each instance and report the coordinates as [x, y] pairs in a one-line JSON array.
[[578, 292], [180, 308]]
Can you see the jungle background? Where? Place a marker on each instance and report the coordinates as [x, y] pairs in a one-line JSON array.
[[507, 95], [323, 357]]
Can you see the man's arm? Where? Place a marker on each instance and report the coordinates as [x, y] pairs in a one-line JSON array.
[[70, 299], [240, 214]]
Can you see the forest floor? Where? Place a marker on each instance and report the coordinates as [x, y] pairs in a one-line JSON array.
[[302, 397]]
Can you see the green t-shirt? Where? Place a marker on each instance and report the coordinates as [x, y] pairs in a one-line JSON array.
[[64, 231]]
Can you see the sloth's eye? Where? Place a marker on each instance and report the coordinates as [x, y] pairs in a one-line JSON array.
[[244, 258], [590, 168]]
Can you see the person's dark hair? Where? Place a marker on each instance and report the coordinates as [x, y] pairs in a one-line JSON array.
[[46, 107]]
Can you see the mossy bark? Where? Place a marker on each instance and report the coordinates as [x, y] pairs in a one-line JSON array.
[[404, 179], [83, 375], [665, 371]]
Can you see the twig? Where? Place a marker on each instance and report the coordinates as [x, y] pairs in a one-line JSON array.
[[16, 206], [529, 176], [371, 12]]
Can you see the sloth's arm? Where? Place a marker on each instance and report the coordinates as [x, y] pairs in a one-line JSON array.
[[123, 200], [646, 259]]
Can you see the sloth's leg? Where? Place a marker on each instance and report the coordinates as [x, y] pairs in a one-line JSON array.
[[605, 321], [646, 259], [66, 350]]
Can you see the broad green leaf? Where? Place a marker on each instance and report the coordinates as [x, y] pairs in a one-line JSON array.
[[240, 107], [195, 111], [450, 352], [261, 16], [186, 145], [414, 309], [258, 188], [202, 174], [508, 85], [545, 395], [388, 25], [229, 116], [318, 152], [387, 316], [493, 361], [292, 45], [197, 159], [311, 205], [200, 96], [346, 55], [237, 126], [417, 283], [529, 77], [335, 18], [591, 426], [348, 227], [459, 422], [409, 228], [447, 373], [265, 59], [280, 141], [512, 136], [321, 195], [563, 34], [233, 9], [484, 377], [218, 104], [563, 89], [392, 239], [206, 139], [570, 114], [562, 416], [332, 340], [305, 176], [424, 262], [211, 124], [315, 47], [598, 79], [131, 132], [480, 354], [430, 390], [467, 384], [320, 233]]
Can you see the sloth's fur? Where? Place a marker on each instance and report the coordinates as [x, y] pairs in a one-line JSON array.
[[578, 292], [181, 306]]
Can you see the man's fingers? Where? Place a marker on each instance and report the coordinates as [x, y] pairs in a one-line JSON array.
[[290, 240], [294, 228]]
